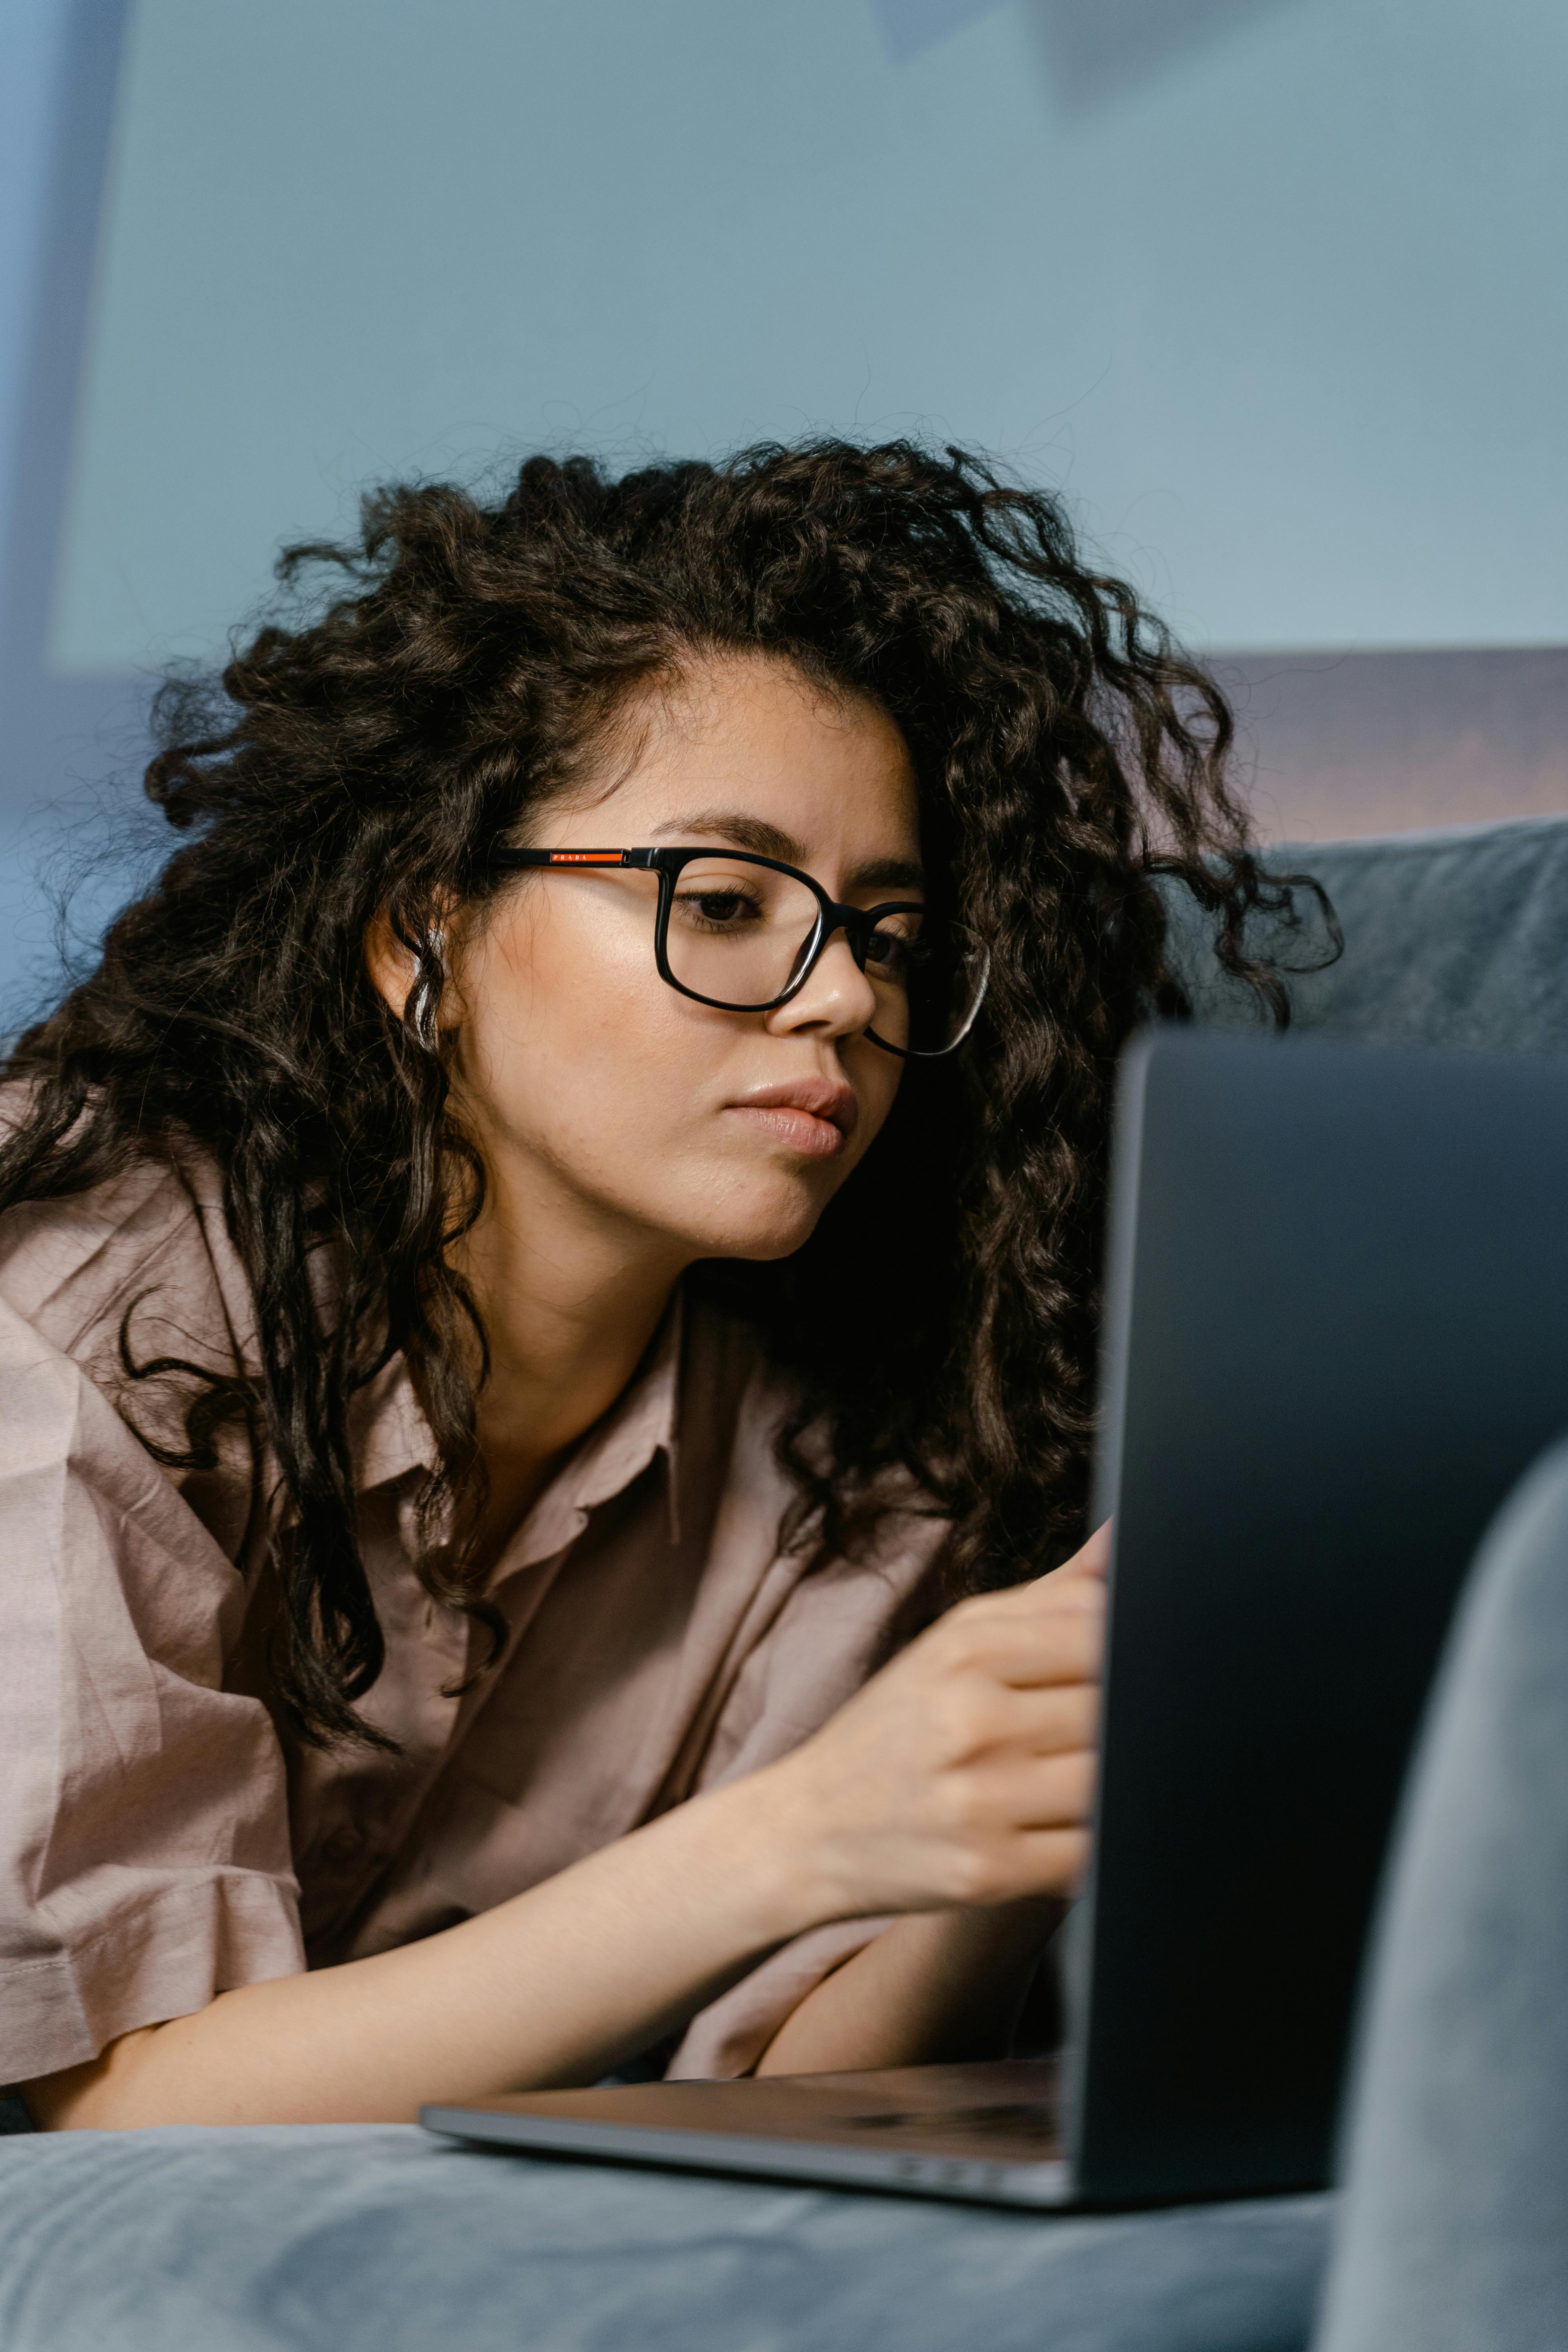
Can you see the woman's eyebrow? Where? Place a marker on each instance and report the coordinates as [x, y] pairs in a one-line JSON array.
[[751, 833], [887, 874], [764, 840]]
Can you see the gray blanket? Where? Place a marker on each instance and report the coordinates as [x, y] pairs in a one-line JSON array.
[[360, 2239]]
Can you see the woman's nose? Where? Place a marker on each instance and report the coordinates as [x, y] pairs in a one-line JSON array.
[[838, 997]]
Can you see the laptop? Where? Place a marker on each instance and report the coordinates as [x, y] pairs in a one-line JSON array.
[[1336, 1334]]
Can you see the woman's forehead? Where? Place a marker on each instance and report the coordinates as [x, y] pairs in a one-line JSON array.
[[756, 753]]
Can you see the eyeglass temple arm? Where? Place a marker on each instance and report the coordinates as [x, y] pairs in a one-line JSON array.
[[538, 857]]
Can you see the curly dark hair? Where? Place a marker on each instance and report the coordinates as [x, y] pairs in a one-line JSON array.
[[369, 750]]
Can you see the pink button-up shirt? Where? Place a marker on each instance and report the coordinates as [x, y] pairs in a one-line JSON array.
[[164, 1836]]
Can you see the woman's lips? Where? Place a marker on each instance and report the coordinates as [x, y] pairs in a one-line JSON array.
[[811, 1116], [813, 1138]]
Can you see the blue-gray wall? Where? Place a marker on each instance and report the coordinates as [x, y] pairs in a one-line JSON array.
[[1273, 289], [1284, 310]]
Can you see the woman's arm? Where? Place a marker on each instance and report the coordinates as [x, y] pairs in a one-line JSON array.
[[553, 1987], [936, 1988], [958, 1781]]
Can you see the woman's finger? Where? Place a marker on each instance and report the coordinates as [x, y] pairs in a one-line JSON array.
[[1050, 1862], [1092, 1559], [981, 1717], [1036, 1792], [1085, 1571], [1044, 1719], [1064, 1644]]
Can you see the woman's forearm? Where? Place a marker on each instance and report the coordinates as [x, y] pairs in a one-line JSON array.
[[553, 1987], [937, 1987]]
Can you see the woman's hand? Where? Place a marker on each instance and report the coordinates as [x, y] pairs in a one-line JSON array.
[[963, 1773]]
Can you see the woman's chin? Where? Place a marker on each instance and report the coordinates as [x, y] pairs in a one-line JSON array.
[[766, 1209], [760, 1238]]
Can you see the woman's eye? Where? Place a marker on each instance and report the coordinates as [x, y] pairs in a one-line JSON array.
[[722, 909], [889, 952], [894, 947]]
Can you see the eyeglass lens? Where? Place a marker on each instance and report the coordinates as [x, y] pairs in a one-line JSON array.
[[738, 935]]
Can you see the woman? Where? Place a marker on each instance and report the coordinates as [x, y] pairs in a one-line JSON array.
[[480, 1451]]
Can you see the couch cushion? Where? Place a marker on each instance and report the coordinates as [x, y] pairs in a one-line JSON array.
[[350, 2238], [1458, 938]]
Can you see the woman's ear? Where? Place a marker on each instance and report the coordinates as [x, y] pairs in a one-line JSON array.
[[392, 967], [397, 970]]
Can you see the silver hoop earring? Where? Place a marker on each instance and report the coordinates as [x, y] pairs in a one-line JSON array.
[[425, 1001]]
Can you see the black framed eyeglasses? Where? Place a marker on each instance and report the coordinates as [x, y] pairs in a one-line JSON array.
[[744, 933]]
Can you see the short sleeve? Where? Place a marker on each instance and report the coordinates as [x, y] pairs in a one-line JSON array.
[[839, 1624], [144, 1853]]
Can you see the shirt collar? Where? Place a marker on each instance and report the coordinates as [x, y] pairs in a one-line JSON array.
[[390, 1437]]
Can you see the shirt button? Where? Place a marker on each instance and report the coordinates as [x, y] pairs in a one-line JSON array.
[[344, 1845]]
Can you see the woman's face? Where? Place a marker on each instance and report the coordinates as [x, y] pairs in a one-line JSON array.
[[586, 1077]]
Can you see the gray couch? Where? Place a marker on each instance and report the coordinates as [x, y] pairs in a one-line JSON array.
[[1451, 939], [352, 2238]]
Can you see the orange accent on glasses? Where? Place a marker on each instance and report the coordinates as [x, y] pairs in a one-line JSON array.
[[584, 858]]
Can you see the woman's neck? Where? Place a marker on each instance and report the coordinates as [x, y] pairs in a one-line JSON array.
[[570, 1301]]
